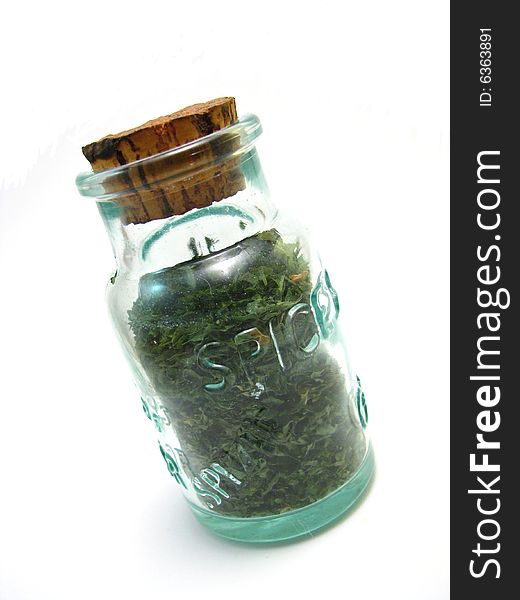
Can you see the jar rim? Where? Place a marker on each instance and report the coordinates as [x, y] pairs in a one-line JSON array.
[[180, 162]]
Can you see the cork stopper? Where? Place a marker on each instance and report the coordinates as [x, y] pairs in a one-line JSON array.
[[152, 192]]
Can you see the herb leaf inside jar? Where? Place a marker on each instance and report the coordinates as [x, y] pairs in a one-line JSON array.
[[231, 347]]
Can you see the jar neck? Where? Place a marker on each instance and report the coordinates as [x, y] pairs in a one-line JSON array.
[[161, 243]]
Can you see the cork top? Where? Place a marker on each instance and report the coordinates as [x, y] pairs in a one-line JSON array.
[[152, 193], [162, 133]]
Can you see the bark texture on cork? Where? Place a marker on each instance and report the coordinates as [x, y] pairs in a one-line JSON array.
[[150, 196]]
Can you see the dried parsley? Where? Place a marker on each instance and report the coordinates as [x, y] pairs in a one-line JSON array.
[[232, 349]]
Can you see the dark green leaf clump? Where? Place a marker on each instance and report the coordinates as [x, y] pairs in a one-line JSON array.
[[232, 349]]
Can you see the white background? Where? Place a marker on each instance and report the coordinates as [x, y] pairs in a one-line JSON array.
[[353, 97]]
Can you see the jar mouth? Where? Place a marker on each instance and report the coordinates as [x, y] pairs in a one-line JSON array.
[[178, 163]]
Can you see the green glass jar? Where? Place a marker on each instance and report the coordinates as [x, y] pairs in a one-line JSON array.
[[229, 323]]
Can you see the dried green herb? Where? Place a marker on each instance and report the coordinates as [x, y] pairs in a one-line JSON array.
[[232, 349]]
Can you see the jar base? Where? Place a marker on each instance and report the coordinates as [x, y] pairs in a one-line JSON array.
[[296, 523]]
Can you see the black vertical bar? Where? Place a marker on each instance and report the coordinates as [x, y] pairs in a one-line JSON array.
[[484, 126]]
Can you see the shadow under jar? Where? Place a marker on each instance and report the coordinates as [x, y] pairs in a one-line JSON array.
[[229, 323]]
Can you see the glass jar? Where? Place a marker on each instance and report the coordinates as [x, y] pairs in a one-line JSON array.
[[229, 323]]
